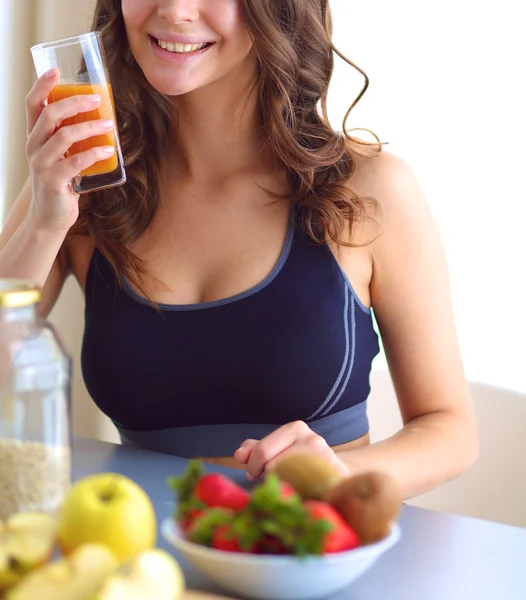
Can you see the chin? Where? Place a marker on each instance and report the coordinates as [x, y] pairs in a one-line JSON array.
[[172, 87]]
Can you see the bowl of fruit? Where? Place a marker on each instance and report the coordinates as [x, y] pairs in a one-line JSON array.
[[302, 532]]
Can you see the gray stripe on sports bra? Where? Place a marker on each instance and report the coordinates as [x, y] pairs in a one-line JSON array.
[[345, 363], [351, 362]]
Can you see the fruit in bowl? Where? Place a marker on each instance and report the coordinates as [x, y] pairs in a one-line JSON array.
[[369, 502], [310, 475], [275, 543]]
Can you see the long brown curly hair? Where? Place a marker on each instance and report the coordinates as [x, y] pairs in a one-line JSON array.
[[293, 45]]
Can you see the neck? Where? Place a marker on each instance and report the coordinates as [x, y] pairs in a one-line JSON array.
[[218, 130]]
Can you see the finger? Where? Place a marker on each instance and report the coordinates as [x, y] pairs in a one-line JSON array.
[[53, 115], [37, 96], [274, 444], [250, 443], [242, 454], [57, 146], [65, 170]]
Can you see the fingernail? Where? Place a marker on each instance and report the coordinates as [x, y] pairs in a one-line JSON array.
[[108, 150], [93, 98], [51, 73], [106, 123], [250, 477]]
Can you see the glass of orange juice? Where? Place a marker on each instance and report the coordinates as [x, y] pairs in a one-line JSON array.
[[83, 70]]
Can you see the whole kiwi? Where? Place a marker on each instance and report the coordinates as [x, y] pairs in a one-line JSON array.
[[369, 502], [310, 475]]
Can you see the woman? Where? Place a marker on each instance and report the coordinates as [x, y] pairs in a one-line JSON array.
[[229, 283]]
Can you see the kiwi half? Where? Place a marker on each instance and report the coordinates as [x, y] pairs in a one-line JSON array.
[[310, 475], [369, 502]]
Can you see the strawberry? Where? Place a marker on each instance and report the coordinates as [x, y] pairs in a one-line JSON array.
[[341, 536], [214, 511], [219, 491], [284, 521], [287, 491], [273, 495], [224, 529], [225, 538], [186, 520], [188, 505]]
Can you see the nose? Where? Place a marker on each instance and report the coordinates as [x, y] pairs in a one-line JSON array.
[[179, 11]]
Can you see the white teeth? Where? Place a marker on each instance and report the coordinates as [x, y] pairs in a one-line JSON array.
[[180, 48]]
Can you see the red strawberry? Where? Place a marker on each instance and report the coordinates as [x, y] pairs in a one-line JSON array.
[[188, 506], [219, 491], [342, 536], [286, 490], [225, 539], [188, 518]]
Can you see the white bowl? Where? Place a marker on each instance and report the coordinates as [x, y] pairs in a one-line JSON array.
[[279, 577]]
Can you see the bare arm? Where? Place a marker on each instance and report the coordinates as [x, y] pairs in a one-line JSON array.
[[31, 253], [411, 300], [32, 240]]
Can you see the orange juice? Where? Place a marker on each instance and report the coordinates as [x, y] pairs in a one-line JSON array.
[[105, 110]]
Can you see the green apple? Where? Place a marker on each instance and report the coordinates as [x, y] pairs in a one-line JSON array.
[[79, 576], [26, 542], [153, 574], [109, 509]]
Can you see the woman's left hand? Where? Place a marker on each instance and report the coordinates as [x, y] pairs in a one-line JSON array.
[[260, 456]]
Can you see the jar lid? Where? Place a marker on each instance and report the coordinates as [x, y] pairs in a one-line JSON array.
[[16, 293]]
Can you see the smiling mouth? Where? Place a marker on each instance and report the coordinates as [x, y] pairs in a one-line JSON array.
[[182, 48]]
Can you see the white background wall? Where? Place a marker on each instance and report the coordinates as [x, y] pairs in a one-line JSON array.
[[448, 92]]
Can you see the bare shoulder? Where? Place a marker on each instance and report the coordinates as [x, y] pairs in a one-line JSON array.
[[399, 215], [392, 183], [386, 167], [389, 191]]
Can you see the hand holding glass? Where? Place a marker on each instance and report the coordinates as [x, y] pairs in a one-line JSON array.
[[83, 70]]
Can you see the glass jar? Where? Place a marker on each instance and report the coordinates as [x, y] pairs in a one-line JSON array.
[[35, 379]]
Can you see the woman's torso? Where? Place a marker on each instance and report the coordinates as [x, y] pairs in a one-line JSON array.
[[208, 251]]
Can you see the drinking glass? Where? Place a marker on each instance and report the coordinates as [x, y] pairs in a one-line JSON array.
[[83, 70]]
